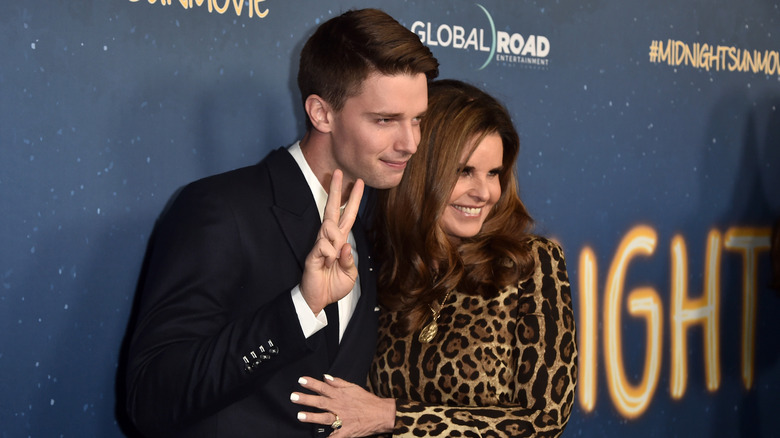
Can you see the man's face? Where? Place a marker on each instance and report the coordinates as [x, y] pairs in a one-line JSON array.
[[378, 130]]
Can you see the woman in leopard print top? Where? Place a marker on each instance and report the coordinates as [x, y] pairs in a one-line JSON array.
[[477, 332]]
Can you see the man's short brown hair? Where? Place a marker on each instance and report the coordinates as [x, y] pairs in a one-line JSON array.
[[344, 50]]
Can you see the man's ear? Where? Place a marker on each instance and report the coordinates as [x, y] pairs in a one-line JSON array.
[[319, 112]]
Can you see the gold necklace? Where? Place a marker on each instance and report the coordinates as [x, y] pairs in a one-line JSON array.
[[429, 331]]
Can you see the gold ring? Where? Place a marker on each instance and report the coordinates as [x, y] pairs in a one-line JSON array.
[[336, 425]]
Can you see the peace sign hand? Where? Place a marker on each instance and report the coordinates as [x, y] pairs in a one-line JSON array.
[[330, 273]]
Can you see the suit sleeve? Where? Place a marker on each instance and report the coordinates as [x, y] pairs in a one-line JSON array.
[[546, 373], [198, 346]]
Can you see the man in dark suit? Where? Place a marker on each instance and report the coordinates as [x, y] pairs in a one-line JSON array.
[[252, 279]]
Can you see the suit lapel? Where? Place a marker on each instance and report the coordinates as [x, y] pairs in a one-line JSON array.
[[294, 206], [366, 264], [359, 339]]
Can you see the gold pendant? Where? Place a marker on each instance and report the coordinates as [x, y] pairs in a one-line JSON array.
[[429, 331]]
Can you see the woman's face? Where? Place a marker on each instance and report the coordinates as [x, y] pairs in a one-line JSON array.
[[477, 190]]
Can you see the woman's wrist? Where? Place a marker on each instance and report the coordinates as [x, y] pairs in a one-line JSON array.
[[388, 420]]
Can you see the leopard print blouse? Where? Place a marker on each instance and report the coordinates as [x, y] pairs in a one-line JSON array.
[[499, 367]]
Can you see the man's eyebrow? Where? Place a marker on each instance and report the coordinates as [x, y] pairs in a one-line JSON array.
[[384, 114], [389, 115]]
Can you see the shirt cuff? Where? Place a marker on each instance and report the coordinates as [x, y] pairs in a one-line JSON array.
[[310, 323]]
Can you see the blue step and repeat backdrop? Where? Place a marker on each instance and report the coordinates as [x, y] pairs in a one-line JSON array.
[[650, 150]]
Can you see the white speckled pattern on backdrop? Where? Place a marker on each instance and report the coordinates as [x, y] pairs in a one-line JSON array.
[[108, 107]]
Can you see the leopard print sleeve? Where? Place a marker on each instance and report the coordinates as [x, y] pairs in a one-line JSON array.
[[513, 372]]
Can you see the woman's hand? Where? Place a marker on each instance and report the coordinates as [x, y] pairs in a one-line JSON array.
[[361, 412]]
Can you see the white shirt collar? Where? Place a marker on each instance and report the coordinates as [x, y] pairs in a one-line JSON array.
[[319, 192]]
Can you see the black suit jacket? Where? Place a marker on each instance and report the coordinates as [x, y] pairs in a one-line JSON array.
[[217, 347]]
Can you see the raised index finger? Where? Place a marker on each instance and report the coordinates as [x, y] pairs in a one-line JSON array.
[[333, 205]]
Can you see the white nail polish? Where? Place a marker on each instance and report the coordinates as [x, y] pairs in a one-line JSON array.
[[303, 381], [328, 377], [294, 397], [301, 416]]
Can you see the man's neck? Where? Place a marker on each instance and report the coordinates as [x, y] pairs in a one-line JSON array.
[[318, 152]]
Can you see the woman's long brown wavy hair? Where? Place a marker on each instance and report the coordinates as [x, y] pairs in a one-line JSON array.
[[419, 262]]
